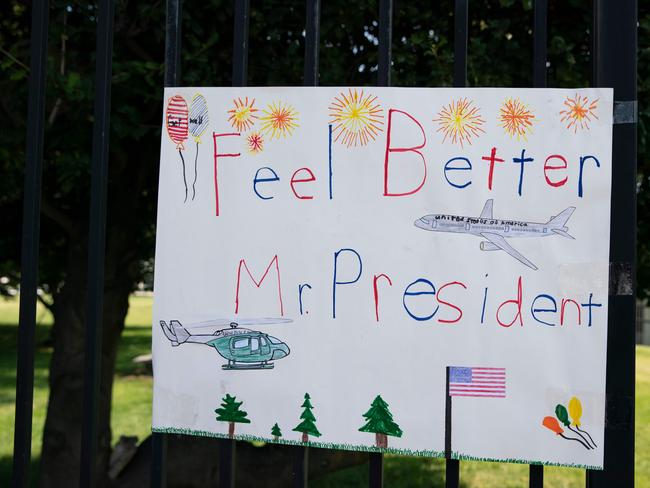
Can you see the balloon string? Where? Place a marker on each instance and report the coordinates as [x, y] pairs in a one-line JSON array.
[[184, 179], [574, 439], [588, 435], [581, 436], [195, 171]]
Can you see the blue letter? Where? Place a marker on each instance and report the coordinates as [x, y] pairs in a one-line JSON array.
[[534, 310], [589, 305], [466, 167], [522, 160], [257, 180], [417, 293], [335, 282], [582, 164], [300, 287]]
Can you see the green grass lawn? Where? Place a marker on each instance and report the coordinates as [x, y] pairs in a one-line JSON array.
[[131, 414]]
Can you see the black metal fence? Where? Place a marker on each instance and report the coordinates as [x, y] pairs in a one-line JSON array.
[[614, 44]]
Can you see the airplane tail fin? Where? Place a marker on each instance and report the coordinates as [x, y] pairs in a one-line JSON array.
[[561, 219], [169, 333]]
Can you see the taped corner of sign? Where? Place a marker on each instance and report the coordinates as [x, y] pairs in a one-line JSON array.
[[583, 276]]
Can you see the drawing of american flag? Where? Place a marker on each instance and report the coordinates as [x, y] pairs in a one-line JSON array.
[[477, 382]]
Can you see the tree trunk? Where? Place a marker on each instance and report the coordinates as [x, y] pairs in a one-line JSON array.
[[231, 429], [381, 440], [62, 433], [276, 438], [305, 437]]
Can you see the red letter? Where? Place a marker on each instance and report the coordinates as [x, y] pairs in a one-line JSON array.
[[259, 283], [548, 167], [442, 302], [516, 302], [414, 149], [564, 302], [492, 159], [374, 287], [304, 180], [216, 155]]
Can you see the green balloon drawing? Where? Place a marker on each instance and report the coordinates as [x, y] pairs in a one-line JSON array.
[[562, 415]]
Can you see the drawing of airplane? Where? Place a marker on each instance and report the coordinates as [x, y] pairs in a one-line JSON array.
[[496, 231], [242, 348]]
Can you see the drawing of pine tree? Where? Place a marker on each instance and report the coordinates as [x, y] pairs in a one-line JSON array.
[[380, 422], [307, 426], [276, 432], [230, 412]]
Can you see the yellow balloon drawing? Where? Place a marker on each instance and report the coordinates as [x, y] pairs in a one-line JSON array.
[[575, 410]]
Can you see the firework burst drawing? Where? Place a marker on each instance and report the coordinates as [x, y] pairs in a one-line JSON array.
[[243, 115], [255, 143], [460, 121], [279, 120], [356, 118], [579, 112], [516, 118]]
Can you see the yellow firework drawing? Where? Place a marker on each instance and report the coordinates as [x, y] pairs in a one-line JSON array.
[[279, 120], [356, 118], [242, 116], [579, 112], [255, 142], [516, 118], [460, 121]]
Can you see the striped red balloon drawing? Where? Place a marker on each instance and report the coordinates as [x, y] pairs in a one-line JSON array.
[[176, 120]]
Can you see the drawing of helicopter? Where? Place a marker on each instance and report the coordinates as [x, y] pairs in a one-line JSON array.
[[242, 348]]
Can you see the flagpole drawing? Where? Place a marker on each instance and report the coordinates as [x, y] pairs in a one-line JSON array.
[[448, 419], [465, 381]]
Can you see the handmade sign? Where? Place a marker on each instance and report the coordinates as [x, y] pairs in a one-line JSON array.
[[410, 270]]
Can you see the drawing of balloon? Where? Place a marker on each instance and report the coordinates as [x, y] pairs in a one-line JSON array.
[[563, 416], [198, 123], [575, 410], [552, 424], [176, 120]]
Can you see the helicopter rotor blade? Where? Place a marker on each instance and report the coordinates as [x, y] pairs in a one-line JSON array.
[[240, 322]]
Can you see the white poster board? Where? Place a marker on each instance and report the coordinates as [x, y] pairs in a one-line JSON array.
[[410, 270]]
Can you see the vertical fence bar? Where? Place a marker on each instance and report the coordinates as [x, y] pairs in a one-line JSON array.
[[300, 474], [376, 470], [226, 463], [616, 51], [452, 466], [240, 43], [460, 43], [536, 476], [376, 459], [97, 243], [539, 43], [385, 42], [540, 36], [173, 31], [227, 447], [30, 242], [312, 41]]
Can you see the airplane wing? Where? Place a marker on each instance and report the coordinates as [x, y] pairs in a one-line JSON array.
[[486, 213], [501, 243]]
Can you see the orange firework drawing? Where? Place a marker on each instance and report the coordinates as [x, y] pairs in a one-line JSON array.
[[516, 118], [279, 120], [255, 142], [242, 116], [579, 112], [460, 121], [355, 118]]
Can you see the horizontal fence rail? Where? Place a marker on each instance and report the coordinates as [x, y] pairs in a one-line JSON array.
[[614, 64]]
